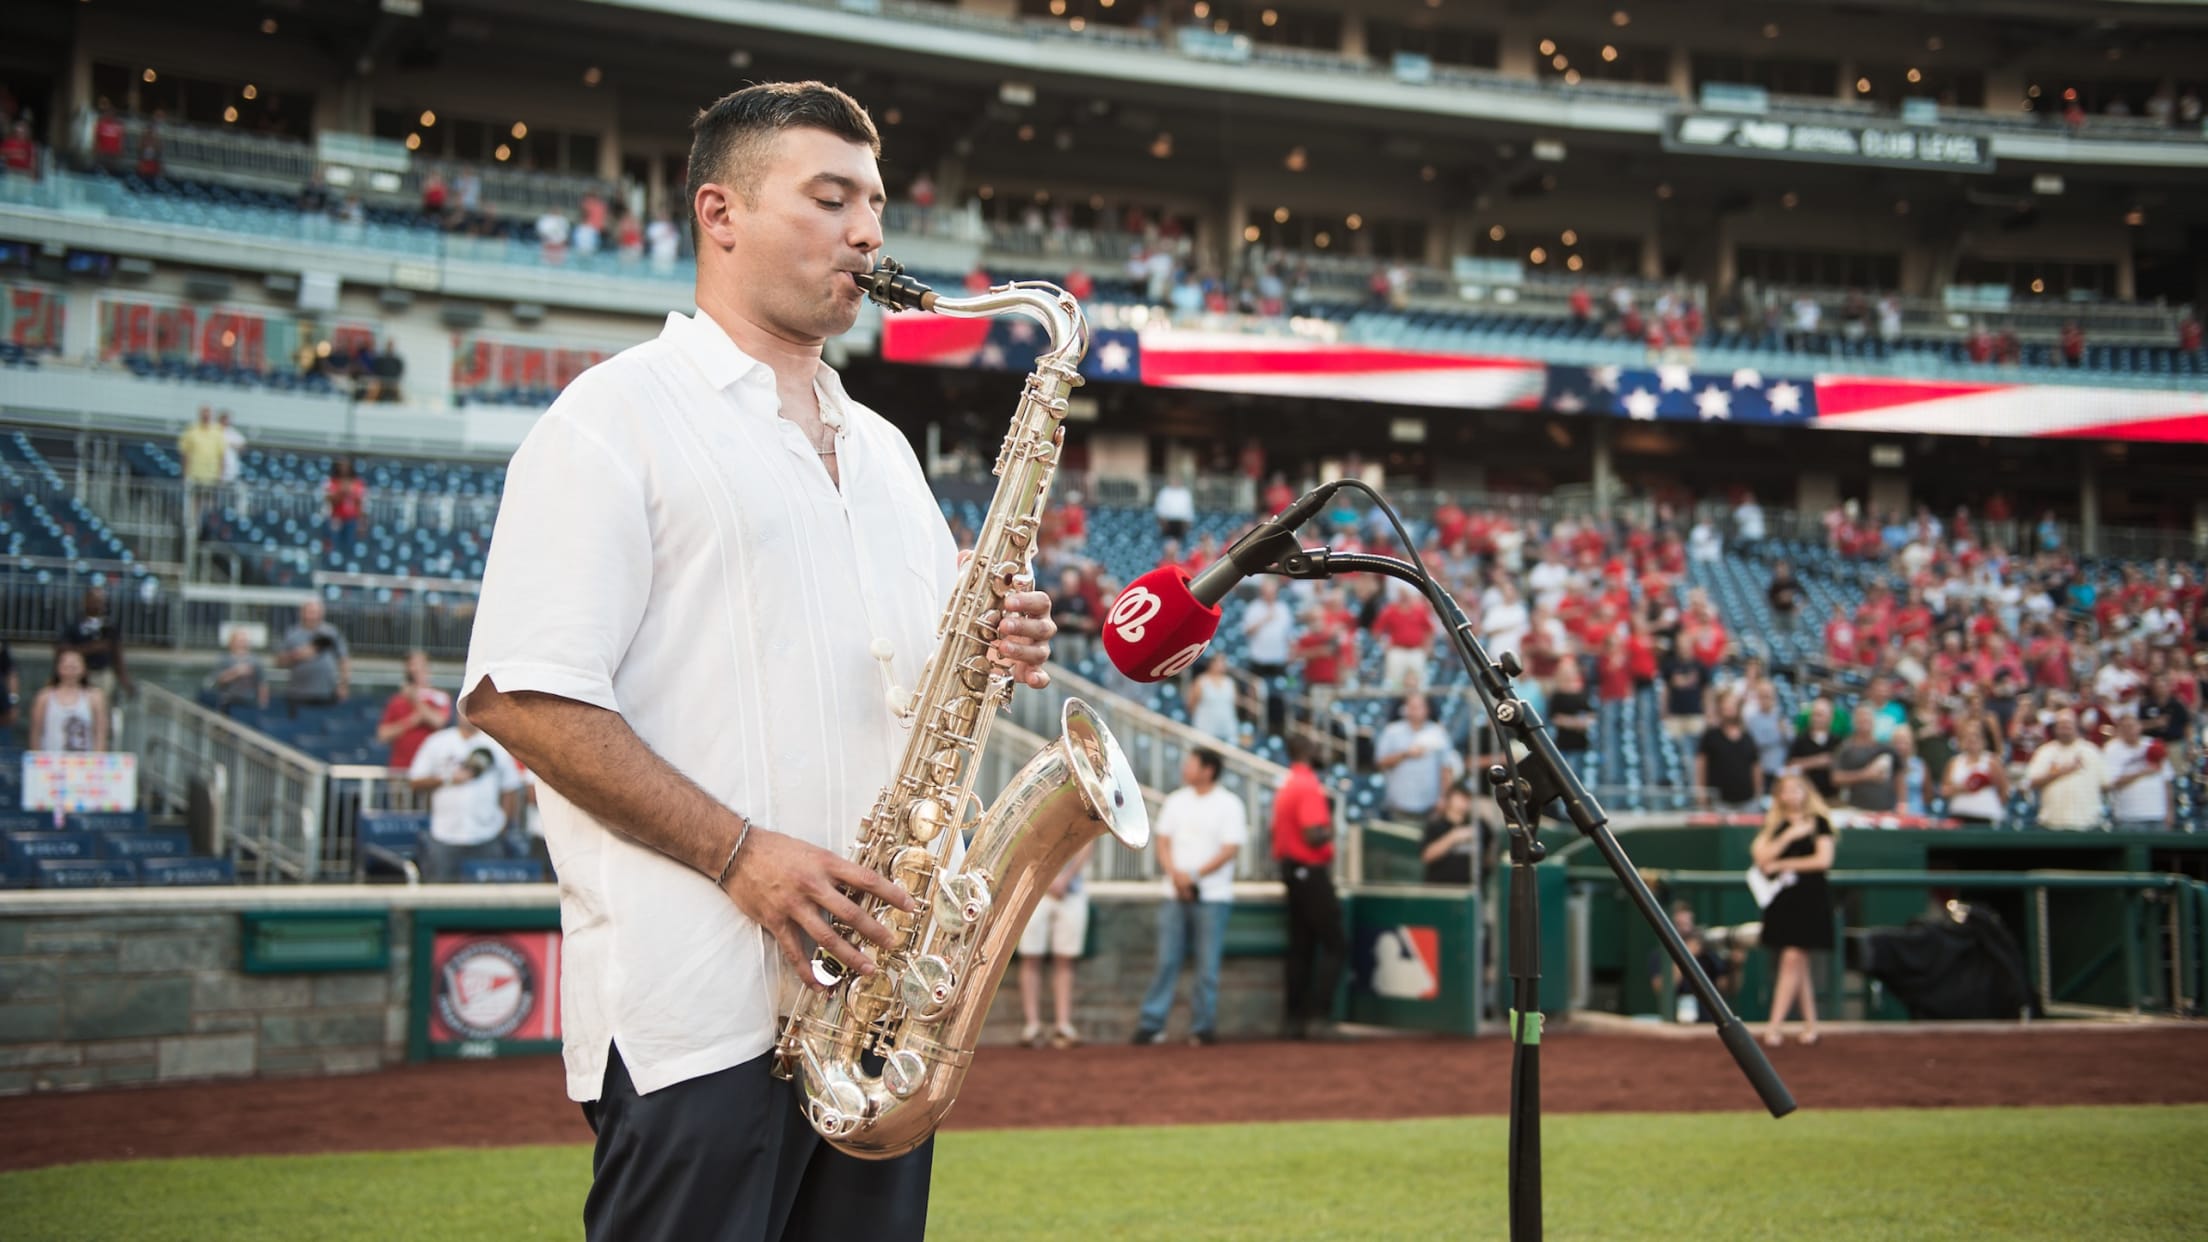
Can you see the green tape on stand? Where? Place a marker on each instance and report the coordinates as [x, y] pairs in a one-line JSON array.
[[1525, 1028]]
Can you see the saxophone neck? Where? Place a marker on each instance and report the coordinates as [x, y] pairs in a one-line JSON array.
[[892, 287]]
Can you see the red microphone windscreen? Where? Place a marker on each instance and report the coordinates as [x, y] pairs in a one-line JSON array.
[[1157, 628]]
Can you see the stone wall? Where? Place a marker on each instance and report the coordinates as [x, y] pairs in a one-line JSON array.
[[144, 986], [106, 999]]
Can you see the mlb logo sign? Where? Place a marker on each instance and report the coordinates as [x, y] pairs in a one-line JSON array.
[[1400, 962]]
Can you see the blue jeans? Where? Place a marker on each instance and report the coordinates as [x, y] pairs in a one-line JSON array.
[[1179, 923]]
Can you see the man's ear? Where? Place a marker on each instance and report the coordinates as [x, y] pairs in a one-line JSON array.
[[713, 209]]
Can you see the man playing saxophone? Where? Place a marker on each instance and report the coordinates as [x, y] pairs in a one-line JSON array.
[[709, 566]]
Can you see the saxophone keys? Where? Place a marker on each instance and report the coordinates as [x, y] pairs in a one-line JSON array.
[[904, 1072], [968, 894], [927, 985], [838, 1109], [924, 820]]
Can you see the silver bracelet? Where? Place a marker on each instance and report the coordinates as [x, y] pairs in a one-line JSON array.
[[721, 880]]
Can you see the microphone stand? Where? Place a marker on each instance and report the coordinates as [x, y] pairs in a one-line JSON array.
[[1524, 783]]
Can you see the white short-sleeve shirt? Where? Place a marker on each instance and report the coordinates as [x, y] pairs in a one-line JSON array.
[[670, 548], [471, 812], [1199, 826]]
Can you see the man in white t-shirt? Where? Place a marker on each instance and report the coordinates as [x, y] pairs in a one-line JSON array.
[[1199, 832], [474, 792], [2067, 774], [2138, 778], [1268, 624], [1175, 507]]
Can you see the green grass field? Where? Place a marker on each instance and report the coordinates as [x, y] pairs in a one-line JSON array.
[[2069, 1173]]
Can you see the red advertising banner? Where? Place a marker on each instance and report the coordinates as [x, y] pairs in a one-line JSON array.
[[32, 316], [254, 339], [488, 988], [483, 365]]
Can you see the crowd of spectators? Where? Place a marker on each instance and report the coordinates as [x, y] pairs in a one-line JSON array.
[[1941, 694]]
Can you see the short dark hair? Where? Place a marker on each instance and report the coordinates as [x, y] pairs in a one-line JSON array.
[[1301, 749], [1210, 759], [728, 137]]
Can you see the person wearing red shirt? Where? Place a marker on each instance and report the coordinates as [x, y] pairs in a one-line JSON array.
[[1913, 619], [2188, 335], [1278, 495], [2047, 657], [1321, 651], [1614, 671], [416, 711], [107, 135], [1080, 285], [1843, 642], [1640, 656], [1449, 524], [17, 151], [1407, 626], [1583, 304], [1303, 845], [1708, 644]]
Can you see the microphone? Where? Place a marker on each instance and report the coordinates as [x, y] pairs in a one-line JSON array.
[[1157, 627], [1162, 622], [1261, 548]]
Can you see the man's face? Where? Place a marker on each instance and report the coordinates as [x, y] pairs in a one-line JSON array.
[[813, 219], [417, 668], [310, 613], [2066, 727], [1820, 715], [1414, 709]]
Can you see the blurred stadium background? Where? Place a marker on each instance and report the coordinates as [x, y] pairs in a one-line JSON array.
[[1657, 294]]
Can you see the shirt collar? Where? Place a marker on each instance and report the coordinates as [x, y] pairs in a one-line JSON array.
[[702, 339]]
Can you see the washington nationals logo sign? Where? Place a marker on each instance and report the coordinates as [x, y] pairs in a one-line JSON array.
[[486, 990]]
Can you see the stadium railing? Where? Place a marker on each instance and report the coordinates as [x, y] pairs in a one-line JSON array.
[[267, 800]]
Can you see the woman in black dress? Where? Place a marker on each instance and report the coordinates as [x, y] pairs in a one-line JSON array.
[[1797, 837]]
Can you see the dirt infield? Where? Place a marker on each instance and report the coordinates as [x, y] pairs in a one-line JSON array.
[[502, 1103]]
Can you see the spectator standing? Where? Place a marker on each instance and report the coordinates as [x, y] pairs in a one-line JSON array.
[[1767, 726], [1075, 612], [2139, 779], [149, 146], [1811, 752], [1211, 703], [1303, 846], [1571, 715], [414, 712], [1867, 771], [1727, 766], [2162, 715], [1325, 645], [321, 664], [1976, 783], [1796, 839], [1686, 685], [202, 447], [1415, 754], [2067, 774], [1406, 627], [345, 498], [233, 454], [474, 792], [1175, 507], [1715, 963], [1268, 626], [239, 680], [97, 637], [107, 136], [70, 713], [1199, 831], [1057, 931], [1784, 595], [1915, 782], [1748, 526], [1455, 846], [19, 151]]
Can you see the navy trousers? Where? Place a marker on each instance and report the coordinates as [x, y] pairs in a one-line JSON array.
[[727, 1158]]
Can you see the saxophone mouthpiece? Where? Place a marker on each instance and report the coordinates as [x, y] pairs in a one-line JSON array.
[[889, 286]]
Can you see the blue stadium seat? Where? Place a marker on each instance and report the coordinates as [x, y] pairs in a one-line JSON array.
[[25, 850], [179, 872], [83, 873], [109, 821], [143, 844]]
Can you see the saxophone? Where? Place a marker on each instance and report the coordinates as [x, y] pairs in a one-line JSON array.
[[878, 1059]]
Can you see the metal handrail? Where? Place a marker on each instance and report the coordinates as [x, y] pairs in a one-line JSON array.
[[277, 794]]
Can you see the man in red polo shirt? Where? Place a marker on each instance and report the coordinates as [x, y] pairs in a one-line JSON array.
[[1303, 845], [416, 711], [1407, 628]]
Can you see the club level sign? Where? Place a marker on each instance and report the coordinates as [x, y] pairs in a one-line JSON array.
[[486, 990]]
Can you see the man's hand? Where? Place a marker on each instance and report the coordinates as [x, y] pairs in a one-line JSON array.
[[1023, 638], [790, 888]]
